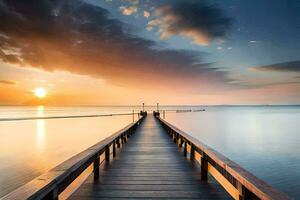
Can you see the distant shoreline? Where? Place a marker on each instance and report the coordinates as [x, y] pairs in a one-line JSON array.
[[220, 105]]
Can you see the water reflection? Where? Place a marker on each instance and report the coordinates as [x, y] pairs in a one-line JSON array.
[[264, 140], [40, 131], [29, 148]]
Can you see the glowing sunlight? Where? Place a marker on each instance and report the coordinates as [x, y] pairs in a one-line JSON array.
[[40, 92]]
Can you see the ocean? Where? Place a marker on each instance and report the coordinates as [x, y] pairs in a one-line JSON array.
[[263, 139]]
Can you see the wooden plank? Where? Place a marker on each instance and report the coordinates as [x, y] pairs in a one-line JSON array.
[[148, 194], [223, 181]]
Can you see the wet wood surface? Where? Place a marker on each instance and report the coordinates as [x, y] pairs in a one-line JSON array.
[[149, 166]]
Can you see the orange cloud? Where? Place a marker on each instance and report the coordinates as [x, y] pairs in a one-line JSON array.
[[8, 82], [128, 10]]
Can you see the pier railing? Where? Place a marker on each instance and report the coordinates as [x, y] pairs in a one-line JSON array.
[[237, 181], [52, 183]]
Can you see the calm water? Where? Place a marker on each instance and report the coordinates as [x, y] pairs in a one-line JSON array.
[[29, 148], [264, 140]]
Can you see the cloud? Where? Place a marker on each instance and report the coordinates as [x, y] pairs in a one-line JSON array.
[[9, 58], [252, 41], [146, 14], [293, 66], [7, 82], [134, 2], [81, 38], [197, 20], [128, 10]]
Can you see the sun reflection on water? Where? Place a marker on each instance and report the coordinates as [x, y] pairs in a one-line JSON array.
[[40, 130]]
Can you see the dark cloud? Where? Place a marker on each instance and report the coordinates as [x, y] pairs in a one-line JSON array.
[[9, 58], [293, 66], [7, 82], [81, 38], [198, 20]]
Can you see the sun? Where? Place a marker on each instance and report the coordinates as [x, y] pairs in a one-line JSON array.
[[40, 92]]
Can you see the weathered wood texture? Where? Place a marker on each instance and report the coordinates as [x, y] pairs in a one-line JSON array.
[[150, 166]]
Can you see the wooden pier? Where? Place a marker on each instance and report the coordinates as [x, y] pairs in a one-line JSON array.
[[149, 159], [149, 167]]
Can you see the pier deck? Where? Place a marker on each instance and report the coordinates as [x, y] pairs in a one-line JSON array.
[[149, 166]]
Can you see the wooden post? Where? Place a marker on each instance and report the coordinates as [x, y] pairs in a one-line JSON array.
[[181, 142], [124, 138], [118, 142], [174, 137], [128, 133], [107, 153], [178, 140], [185, 149], [164, 114], [204, 167], [133, 115], [114, 149], [243, 192], [96, 169], [192, 155]]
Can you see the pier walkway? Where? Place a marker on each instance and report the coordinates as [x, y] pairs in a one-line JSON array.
[[149, 166]]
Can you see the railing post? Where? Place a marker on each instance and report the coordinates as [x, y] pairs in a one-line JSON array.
[[118, 142], [178, 140], [107, 153], [174, 137], [181, 141], [96, 169], [128, 134], [114, 149], [185, 149], [243, 192], [124, 138], [192, 155], [204, 167], [133, 115]]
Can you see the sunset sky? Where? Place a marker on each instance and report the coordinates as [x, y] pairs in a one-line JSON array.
[[121, 52]]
